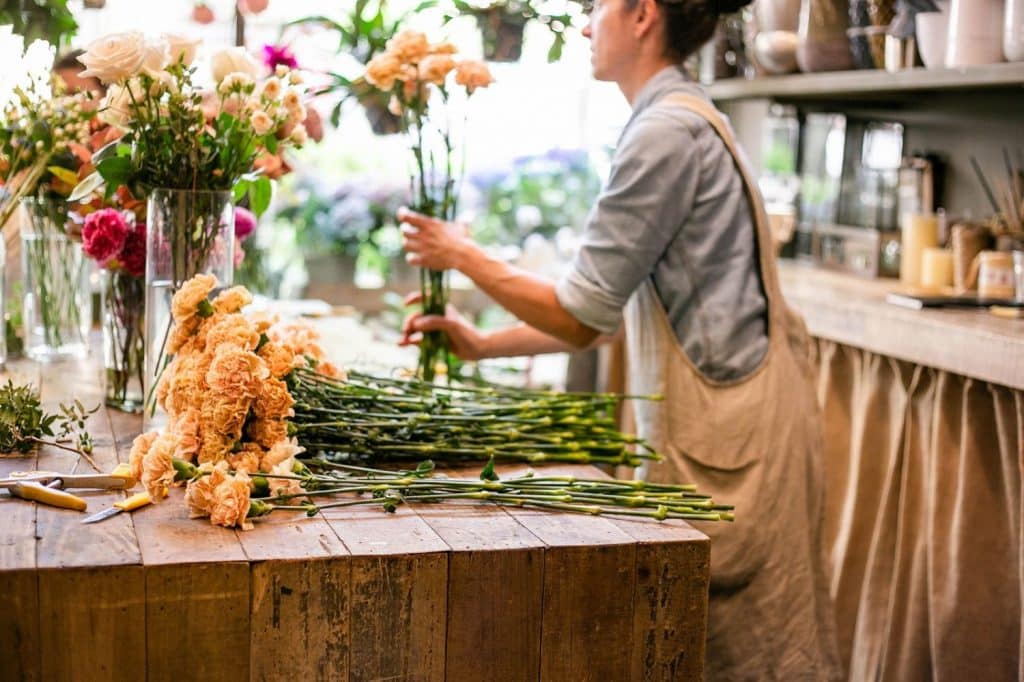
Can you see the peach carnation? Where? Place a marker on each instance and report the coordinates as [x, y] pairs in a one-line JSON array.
[[140, 446], [473, 75], [187, 428], [236, 372], [158, 466], [247, 459], [232, 300], [281, 451], [199, 493], [278, 359], [185, 303], [231, 502], [408, 45], [383, 70], [267, 432], [232, 330], [273, 401], [435, 68]]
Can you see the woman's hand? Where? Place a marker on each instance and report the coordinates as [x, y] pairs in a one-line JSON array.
[[432, 243], [465, 340]]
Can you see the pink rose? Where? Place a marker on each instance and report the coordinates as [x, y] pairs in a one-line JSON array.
[[239, 254], [133, 255], [245, 222], [104, 234]]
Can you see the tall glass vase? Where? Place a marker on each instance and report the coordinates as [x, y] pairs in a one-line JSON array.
[[188, 232], [124, 346], [57, 306]]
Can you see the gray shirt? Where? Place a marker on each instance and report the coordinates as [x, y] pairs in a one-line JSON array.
[[674, 211]]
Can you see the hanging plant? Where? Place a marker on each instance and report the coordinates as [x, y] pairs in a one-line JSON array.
[[363, 33], [202, 14], [502, 25]]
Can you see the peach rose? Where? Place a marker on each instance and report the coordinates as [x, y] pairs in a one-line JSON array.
[[383, 70], [140, 446], [408, 45], [435, 68], [199, 493], [231, 502], [114, 57], [472, 75]]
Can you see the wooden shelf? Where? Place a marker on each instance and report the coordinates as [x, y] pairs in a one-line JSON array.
[[871, 84]]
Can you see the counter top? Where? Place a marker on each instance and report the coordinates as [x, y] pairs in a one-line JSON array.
[[853, 311]]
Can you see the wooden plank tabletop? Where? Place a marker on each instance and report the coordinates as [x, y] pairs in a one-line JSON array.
[[853, 311], [442, 591]]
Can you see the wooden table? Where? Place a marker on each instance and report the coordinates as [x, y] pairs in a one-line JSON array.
[[456, 591]]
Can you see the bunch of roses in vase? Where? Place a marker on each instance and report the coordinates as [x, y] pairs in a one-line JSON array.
[[192, 154], [415, 74]]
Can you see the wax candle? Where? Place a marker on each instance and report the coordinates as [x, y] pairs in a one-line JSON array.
[[937, 268], [920, 231]]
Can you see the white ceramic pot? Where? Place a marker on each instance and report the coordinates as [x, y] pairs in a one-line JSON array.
[[975, 32], [932, 32], [776, 51], [1013, 31]]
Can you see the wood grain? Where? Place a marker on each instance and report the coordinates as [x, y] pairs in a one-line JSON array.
[[197, 622], [495, 586], [93, 623], [399, 593], [19, 581], [300, 619]]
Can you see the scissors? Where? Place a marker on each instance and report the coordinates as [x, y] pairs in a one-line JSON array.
[[49, 487]]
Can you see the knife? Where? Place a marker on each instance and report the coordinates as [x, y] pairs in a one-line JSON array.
[[134, 502]]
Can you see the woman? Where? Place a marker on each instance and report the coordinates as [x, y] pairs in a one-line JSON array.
[[677, 248]]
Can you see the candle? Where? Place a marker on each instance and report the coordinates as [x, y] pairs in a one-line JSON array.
[[920, 231], [937, 268]]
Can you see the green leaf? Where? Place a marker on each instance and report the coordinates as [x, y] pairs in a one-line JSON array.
[[240, 188], [270, 142], [116, 170], [260, 193], [87, 187], [107, 151], [488, 473], [424, 468]]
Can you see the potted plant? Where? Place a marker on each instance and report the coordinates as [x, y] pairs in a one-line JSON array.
[[363, 33], [503, 22]]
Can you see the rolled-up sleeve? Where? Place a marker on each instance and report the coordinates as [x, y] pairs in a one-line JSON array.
[[651, 189]]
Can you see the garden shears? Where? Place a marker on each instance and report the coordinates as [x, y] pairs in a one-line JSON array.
[[49, 487]]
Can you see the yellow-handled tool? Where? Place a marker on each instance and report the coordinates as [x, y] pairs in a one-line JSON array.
[[134, 502], [31, 490]]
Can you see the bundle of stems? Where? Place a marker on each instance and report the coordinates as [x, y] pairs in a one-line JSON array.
[[364, 486], [371, 419], [1006, 198]]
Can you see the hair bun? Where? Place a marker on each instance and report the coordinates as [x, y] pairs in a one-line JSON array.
[[728, 6]]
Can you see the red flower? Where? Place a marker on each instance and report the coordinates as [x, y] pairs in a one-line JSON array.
[[104, 234], [245, 222], [273, 55], [133, 256]]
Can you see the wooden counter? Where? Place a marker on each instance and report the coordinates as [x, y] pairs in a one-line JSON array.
[[456, 591], [853, 311]]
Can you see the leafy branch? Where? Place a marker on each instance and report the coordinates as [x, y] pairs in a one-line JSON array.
[[24, 424]]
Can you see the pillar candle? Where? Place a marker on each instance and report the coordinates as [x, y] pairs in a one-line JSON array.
[[937, 268], [920, 231]]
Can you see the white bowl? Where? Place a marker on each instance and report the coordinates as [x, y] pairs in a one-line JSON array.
[[932, 32], [776, 51]]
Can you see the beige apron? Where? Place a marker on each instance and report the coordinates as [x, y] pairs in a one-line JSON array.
[[755, 443]]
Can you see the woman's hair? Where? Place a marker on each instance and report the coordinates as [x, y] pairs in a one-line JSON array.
[[691, 23]]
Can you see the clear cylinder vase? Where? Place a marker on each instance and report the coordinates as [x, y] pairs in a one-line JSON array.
[[57, 305], [124, 348], [188, 232]]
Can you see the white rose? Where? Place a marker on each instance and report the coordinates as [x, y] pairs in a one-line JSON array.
[[261, 122], [155, 59], [181, 48], [116, 108], [115, 57], [231, 60], [271, 88], [299, 135]]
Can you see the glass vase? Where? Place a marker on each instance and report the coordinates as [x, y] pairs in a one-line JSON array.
[[57, 306], [188, 232], [124, 348]]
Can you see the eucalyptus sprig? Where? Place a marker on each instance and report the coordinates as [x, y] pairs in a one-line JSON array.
[[24, 423]]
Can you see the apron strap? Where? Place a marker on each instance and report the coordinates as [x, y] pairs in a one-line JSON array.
[[708, 112]]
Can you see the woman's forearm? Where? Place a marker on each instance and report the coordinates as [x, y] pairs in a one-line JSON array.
[[530, 298], [522, 339]]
